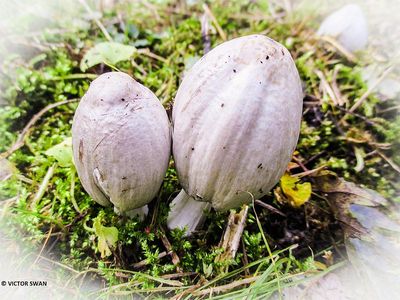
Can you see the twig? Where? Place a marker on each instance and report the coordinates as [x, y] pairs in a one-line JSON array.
[[226, 287], [335, 87], [369, 122], [147, 52], [59, 264], [43, 186], [245, 259], [72, 192], [327, 87], [98, 23], [233, 233], [186, 292], [309, 172], [145, 262], [269, 207], [178, 275], [214, 20], [4, 204], [167, 91], [350, 57], [368, 92], [75, 76], [389, 161], [205, 32], [20, 140], [43, 246], [314, 157], [396, 107], [168, 246], [152, 8], [300, 163]]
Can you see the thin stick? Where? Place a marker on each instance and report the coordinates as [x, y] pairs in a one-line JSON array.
[[245, 259], [327, 87], [214, 20], [389, 161], [269, 207], [59, 264], [226, 287], [72, 192], [370, 89], [145, 262], [20, 140], [75, 76], [178, 275], [98, 23], [233, 233], [168, 246], [205, 32], [309, 172], [369, 122], [396, 107], [44, 245], [43, 186], [339, 47], [147, 52]]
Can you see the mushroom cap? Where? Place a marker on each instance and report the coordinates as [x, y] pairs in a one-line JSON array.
[[121, 142], [348, 25], [236, 121]]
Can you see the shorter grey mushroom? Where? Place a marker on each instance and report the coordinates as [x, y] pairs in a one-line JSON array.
[[121, 142]]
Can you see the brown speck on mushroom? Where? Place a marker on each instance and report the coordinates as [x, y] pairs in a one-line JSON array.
[[192, 148], [234, 70], [259, 166], [222, 105], [80, 150], [122, 99], [267, 57]]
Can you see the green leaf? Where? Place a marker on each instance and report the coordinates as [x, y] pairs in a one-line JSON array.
[[297, 193], [62, 153], [107, 237], [108, 53]]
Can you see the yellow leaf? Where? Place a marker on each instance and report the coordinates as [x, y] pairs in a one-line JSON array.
[[107, 237], [297, 193]]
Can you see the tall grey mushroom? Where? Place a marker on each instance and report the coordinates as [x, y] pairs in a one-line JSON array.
[[236, 122]]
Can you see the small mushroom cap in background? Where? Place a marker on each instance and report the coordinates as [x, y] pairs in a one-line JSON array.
[[236, 120], [121, 142], [348, 25]]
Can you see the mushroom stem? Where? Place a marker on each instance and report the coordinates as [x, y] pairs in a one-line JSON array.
[[140, 212], [185, 212]]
